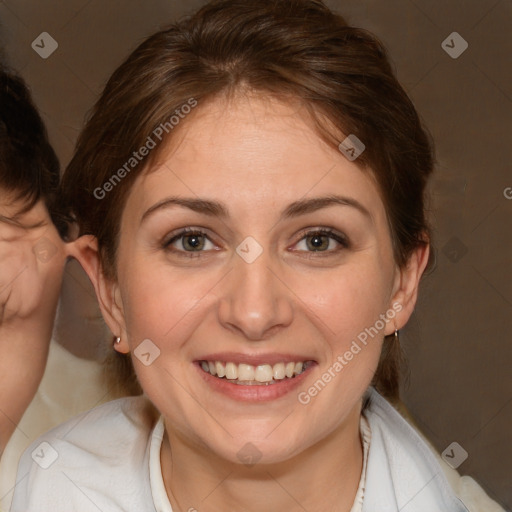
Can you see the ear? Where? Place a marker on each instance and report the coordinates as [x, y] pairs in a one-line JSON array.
[[85, 250], [407, 280]]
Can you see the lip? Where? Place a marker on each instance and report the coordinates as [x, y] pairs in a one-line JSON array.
[[255, 393]]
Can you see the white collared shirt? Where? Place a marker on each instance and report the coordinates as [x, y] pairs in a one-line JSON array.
[[109, 459]]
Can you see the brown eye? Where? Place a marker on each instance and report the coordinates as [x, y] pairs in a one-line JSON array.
[[322, 241], [317, 242], [193, 242], [189, 241]]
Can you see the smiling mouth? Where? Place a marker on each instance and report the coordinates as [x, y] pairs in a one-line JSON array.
[[250, 375]]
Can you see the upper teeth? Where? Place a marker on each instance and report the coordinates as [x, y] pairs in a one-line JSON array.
[[248, 372]]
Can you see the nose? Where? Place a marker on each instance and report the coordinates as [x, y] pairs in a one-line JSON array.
[[254, 301]]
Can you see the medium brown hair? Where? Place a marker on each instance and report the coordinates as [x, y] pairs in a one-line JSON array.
[[296, 49]]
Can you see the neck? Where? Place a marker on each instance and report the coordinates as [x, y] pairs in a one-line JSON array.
[[323, 477]]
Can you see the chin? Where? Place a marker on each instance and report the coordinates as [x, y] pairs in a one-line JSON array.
[[248, 448]]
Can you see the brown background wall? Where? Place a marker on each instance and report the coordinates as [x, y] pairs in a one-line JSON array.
[[458, 342]]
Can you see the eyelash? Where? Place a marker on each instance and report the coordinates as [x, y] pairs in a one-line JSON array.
[[339, 238]]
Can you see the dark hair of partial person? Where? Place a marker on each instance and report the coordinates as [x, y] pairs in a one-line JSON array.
[[29, 168], [297, 50]]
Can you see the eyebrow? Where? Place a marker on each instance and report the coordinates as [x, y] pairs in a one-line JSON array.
[[295, 209]]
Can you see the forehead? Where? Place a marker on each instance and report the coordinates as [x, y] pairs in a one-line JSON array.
[[253, 151]]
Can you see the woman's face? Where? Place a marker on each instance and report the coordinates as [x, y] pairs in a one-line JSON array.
[[285, 260]]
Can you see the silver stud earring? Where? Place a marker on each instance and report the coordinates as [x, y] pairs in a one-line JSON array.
[[118, 340], [396, 336]]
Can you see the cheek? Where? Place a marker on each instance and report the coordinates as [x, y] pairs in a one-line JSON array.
[[347, 300], [161, 304], [347, 304]]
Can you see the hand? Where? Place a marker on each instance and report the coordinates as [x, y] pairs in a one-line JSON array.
[[32, 258]]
